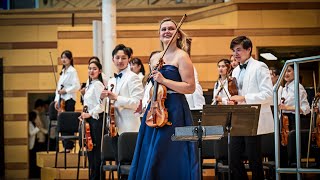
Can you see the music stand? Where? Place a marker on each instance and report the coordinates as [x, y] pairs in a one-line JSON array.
[[239, 120], [198, 133]]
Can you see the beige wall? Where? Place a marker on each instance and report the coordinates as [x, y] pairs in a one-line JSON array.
[[25, 50]]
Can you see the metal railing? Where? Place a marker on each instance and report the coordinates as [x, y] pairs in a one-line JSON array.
[[297, 169]]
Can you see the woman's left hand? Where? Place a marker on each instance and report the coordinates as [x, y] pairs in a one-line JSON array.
[[157, 76], [62, 91]]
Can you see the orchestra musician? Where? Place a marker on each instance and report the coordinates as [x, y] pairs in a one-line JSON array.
[[126, 95], [221, 92], [288, 108], [254, 87], [67, 87], [91, 99], [156, 155]]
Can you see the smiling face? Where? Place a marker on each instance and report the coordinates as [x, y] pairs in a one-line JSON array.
[[167, 30], [93, 71], [120, 60], [289, 75]]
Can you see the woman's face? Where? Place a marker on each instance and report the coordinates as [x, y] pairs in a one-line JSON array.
[[93, 71], [167, 30], [234, 62], [135, 68], [222, 68], [65, 60], [289, 75]]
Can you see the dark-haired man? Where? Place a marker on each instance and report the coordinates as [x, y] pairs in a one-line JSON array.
[[126, 94], [254, 87]]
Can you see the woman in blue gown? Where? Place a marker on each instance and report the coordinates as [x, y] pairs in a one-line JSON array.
[[156, 155]]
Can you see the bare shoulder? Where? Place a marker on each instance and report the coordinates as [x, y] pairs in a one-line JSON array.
[[183, 57]]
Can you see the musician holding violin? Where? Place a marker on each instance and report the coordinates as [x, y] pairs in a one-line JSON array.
[[226, 86], [125, 96], [156, 155], [92, 102], [254, 87], [67, 87], [287, 106]]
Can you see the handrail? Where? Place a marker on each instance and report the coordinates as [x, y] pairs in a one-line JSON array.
[[298, 169]]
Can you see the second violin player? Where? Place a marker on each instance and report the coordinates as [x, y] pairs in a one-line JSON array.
[[91, 99]]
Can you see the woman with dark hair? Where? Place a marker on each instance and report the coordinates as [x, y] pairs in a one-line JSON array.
[[67, 88], [91, 99], [156, 155], [137, 67], [220, 90]]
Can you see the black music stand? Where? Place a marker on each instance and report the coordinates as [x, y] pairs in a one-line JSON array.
[[239, 120], [198, 133]]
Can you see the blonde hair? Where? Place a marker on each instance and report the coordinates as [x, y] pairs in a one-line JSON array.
[[182, 41]]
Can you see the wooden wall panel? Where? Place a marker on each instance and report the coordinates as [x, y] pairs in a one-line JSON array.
[[16, 174], [279, 19], [17, 129], [78, 47], [29, 81], [47, 33], [28, 57], [16, 154], [15, 105], [18, 33]]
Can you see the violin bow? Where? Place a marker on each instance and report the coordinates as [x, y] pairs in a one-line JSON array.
[[312, 117]]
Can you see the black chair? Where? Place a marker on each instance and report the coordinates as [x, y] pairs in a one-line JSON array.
[[268, 154], [68, 122], [53, 121], [208, 153], [126, 147], [108, 155], [304, 136], [221, 155]]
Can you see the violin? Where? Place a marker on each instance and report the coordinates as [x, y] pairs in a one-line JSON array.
[[157, 115], [285, 127], [111, 123], [89, 143], [232, 86], [61, 103]]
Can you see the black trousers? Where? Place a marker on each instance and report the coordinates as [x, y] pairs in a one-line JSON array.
[[69, 106], [94, 156], [251, 145]]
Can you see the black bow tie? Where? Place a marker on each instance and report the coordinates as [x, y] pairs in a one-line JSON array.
[[118, 75], [244, 66]]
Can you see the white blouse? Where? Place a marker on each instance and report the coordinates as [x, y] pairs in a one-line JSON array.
[[33, 130], [222, 93], [70, 80], [288, 94], [91, 98]]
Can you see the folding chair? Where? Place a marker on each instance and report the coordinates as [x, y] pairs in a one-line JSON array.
[[108, 155], [126, 147], [68, 122]]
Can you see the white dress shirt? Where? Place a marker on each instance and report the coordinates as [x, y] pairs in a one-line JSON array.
[[288, 94], [70, 80], [196, 99], [91, 98], [33, 130], [224, 96], [141, 76]]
